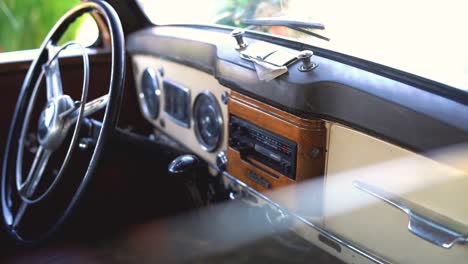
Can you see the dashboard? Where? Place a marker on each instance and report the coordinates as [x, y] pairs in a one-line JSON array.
[[325, 129], [265, 146]]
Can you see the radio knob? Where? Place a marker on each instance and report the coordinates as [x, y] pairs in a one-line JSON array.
[[243, 145], [233, 142], [244, 149], [243, 131], [286, 166], [233, 126]]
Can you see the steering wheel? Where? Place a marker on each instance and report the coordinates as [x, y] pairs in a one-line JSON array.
[[61, 119]]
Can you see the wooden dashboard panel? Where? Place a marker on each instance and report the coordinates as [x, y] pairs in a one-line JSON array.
[[309, 135]]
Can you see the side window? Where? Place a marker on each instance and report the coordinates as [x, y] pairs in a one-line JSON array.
[[25, 23]]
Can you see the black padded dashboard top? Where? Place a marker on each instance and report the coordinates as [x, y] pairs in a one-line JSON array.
[[395, 111]]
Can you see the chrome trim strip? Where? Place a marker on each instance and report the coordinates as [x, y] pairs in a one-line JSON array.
[[431, 226], [372, 257]]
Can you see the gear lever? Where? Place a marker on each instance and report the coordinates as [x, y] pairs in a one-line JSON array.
[[184, 169]]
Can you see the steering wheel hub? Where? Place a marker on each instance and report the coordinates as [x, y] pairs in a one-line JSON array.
[[51, 128]]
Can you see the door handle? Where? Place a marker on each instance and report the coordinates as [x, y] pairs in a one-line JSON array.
[[423, 222]]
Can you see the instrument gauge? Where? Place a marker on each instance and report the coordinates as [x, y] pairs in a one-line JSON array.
[[150, 93], [208, 121]]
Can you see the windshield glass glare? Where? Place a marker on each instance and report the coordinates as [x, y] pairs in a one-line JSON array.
[[423, 37]]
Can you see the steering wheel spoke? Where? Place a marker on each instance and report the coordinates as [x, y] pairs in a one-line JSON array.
[[19, 215], [90, 108], [52, 73], [96, 105], [36, 171]]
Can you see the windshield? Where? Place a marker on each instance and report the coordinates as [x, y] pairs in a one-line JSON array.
[[427, 38]]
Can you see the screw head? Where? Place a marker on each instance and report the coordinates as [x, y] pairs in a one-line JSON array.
[[315, 153], [161, 71]]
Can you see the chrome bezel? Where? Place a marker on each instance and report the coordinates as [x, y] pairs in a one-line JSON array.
[[156, 78], [219, 119]]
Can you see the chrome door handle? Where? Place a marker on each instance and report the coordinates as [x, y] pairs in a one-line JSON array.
[[423, 222]]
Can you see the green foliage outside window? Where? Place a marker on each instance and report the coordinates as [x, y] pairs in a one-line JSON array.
[[25, 23]]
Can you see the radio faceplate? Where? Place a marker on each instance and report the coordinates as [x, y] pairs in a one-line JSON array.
[[272, 150], [269, 148]]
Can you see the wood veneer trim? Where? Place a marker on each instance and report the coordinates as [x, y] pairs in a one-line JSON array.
[[302, 122], [241, 168]]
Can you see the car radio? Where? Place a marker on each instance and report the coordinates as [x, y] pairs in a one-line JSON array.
[[270, 148], [274, 151]]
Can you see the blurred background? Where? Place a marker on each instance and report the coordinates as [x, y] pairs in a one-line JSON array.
[[422, 37], [25, 23]]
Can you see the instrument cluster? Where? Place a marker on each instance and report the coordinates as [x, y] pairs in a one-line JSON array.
[[180, 102]]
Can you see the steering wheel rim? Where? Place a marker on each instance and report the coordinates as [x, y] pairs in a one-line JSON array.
[[112, 108]]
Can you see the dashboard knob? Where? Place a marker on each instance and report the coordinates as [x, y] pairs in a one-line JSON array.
[[221, 161], [185, 164], [238, 34], [307, 64]]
